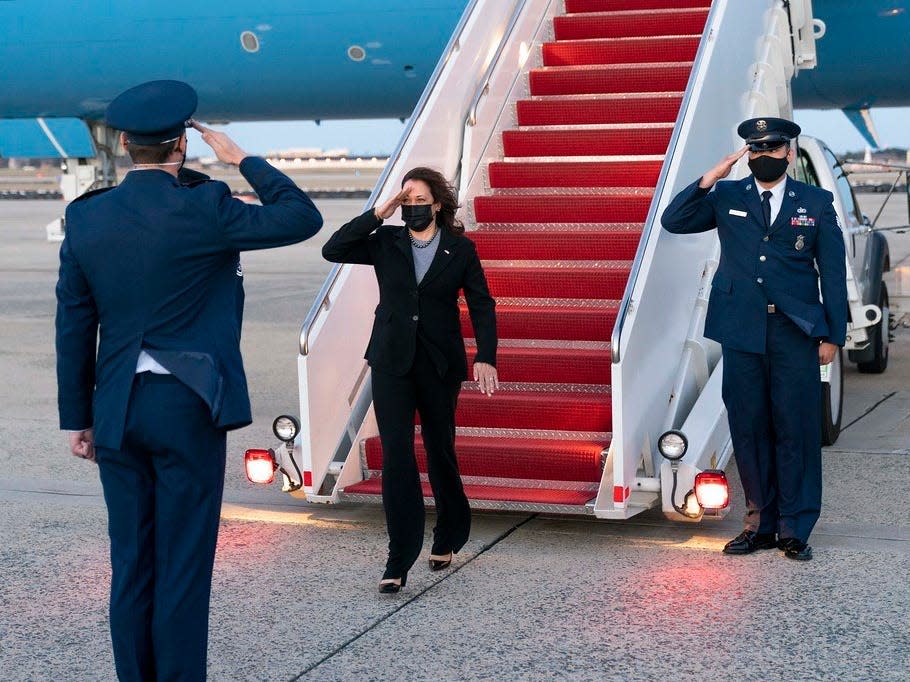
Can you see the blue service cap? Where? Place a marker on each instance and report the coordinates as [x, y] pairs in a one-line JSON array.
[[764, 134], [153, 112]]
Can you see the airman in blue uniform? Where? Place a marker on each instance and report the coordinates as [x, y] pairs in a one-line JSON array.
[[780, 244], [149, 372]]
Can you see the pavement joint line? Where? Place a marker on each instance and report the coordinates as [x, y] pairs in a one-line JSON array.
[[412, 599], [869, 410]]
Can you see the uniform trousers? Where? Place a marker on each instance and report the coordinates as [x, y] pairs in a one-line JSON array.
[[163, 490], [773, 402], [395, 400]]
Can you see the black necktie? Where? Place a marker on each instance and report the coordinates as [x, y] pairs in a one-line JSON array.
[[766, 207]]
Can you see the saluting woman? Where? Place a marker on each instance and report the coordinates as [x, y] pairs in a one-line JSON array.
[[417, 357]]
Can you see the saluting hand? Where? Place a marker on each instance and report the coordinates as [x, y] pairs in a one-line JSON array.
[[486, 377], [389, 207], [224, 147], [722, 169], [82, 444]]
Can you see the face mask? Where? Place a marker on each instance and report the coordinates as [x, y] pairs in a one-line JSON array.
[[417, 217], [768, 168]]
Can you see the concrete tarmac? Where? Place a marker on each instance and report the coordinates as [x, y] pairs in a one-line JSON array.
[[529, 598]]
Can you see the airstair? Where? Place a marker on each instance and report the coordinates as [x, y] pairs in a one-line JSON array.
[[584, 114]]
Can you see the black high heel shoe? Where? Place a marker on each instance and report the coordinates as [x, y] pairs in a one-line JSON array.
[[440, 561], [393, 585]]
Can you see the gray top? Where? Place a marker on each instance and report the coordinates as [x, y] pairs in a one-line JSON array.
[[423, 256]]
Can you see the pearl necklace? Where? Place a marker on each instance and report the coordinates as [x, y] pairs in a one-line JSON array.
[[420, 243]]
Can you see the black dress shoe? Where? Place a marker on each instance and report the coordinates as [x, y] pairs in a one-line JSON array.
[[393, 585], [749, 541], [440, 561], [795, 549]]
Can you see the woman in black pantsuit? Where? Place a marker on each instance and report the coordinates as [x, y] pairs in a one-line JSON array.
[[417, 357]]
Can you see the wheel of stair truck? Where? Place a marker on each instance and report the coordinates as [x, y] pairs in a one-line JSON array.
[[879, 337], [832, 399]]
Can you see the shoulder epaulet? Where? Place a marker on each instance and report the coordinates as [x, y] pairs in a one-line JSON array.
[[91, 193]]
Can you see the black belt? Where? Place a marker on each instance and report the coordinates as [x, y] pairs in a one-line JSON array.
[[772, 308], [143, 378]]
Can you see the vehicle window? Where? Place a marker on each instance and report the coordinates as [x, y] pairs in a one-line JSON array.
[[843, 186], [805, 172]]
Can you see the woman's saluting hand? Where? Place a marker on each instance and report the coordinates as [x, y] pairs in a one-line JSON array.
[[389, 207]]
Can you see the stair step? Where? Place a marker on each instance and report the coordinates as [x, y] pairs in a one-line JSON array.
[[575, 6], [574, 173], [620, 50], [611, 244], [628, 24], [543, 320], [623, 141], [546, 208], [578, 80], [551, 364], [521, 458], [541, 496], [558, 279], [535, 409], [599, 109]]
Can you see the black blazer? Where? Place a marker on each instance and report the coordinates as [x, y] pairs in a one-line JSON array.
[[429, 310], [155, 264]]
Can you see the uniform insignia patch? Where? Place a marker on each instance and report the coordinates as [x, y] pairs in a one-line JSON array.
[[761, 125], [802, 221], [791, 194], [800, 242], [800, 210]]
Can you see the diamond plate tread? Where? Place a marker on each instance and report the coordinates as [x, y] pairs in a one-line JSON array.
[[479, 493], [599, 109], [631, 24], [620, 50]]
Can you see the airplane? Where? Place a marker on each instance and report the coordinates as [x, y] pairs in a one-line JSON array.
[[325, 59]]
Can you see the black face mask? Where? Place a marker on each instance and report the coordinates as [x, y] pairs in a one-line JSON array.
[[768, 168], [417, 217]]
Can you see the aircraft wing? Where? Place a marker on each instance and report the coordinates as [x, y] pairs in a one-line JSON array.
[[45, 138]]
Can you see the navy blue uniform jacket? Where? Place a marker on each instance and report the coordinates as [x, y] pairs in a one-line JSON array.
[[779, 267], [406, 309], [155, 265]]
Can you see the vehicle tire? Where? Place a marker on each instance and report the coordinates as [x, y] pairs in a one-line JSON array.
[[833, 401], [879, 339]]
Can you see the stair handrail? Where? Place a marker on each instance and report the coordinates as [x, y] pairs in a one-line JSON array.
[[321, 302], [651, 217], [484, 86]]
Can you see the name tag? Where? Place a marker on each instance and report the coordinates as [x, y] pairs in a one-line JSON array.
[[740, 214]]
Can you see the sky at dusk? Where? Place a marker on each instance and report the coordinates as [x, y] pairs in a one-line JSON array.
[[379, 137]]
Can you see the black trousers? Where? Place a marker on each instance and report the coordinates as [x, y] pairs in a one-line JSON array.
[[395, 400], [163, 490], [773, 403]]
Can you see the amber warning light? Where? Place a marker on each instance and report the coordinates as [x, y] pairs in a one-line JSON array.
[[711, 489], [260, 465]]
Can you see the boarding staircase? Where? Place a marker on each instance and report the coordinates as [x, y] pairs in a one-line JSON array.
[[557, 210], [557, 231]]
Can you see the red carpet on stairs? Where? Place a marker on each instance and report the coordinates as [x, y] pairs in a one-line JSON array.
[[557, 229]]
